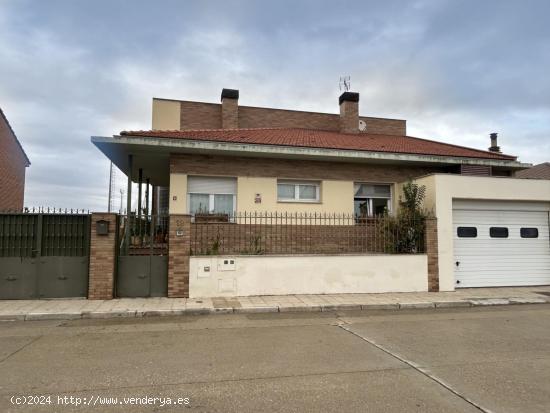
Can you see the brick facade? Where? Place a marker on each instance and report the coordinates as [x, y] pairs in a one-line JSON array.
[[13, 162], [200, 115], [433, 256], [179, 239], [102, 259], [298, 169]]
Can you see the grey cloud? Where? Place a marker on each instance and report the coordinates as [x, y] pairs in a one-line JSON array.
[[456, 70]]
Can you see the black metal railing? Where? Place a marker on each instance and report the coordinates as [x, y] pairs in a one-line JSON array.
[[302, 233], [143, 234]]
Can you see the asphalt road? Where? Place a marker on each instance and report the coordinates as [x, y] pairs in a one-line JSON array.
[[462, 360]]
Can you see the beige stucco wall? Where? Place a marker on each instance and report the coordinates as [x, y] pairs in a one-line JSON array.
[[178, 194], [280, 275], [166, 114], [335, 197], [442, 189]]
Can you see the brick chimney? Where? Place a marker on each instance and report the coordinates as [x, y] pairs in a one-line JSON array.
[[349, 112], [494, 144], [230, 108]]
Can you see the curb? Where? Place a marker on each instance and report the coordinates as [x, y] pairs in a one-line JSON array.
[[272, 309]]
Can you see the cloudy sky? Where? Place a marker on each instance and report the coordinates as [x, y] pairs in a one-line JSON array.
[[456, 70]]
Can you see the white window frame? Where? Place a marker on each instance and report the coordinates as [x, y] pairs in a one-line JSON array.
[[210, 201], [370, 206], [297, 184]]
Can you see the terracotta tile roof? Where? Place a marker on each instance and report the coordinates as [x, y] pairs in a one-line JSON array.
[[310, 138], [540, 171]]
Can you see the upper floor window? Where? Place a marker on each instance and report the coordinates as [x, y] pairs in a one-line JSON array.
[[298, 191], [371, 199]]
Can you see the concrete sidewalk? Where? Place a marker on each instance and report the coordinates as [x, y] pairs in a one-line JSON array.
[[60, 309]]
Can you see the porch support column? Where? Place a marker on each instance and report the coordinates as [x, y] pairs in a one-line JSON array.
[[140, 182], [147, 197], [179, 249], [154, 200], [128, 204]]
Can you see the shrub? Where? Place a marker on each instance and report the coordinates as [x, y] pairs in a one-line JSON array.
[[404, 231]]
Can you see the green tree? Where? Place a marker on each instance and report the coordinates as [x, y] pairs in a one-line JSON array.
[[404, 231]]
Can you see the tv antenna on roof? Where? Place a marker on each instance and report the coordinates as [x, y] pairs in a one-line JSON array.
[[345, 83]]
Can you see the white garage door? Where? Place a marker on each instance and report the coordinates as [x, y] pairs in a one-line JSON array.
[[501, 244]]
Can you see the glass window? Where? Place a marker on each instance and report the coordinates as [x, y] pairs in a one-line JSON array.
[[199, 203], [298, 191], [529, 232], [466, 232], [371, 199], [285, 191], [223, 204], [211, 195], [308, 192], [498, 232], [211, 203]]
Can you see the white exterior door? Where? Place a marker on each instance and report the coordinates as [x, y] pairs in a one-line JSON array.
[[501, 243]]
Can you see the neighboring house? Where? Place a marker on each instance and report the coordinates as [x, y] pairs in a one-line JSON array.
[[13, 162], [225, 158], [540, 171]]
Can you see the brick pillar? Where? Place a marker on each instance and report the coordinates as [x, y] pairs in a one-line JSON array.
[[433, 256], [179, 248], [102, 258]]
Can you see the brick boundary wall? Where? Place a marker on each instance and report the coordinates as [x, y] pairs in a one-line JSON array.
[[255, 238], [102, 258], [433, 255], [287, 239], [179, 247]]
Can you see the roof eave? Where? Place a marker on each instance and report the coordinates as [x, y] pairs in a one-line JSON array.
[[201, 146]]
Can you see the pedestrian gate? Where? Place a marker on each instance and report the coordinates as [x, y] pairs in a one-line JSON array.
[[44, 255], [143, 256]]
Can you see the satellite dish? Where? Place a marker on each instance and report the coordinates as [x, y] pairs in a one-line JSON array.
[[362, 125]]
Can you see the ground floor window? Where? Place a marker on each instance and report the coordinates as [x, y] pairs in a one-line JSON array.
[[371, 199], [211, 195], [211, 203], [298, 191]]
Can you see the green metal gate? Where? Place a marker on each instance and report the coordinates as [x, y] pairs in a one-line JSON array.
[[44, 255], [143, 256]]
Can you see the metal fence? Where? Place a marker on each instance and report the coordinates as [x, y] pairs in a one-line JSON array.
[[142, 262], [143, 234], [297, 233], [44, 255], [44, 234]]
